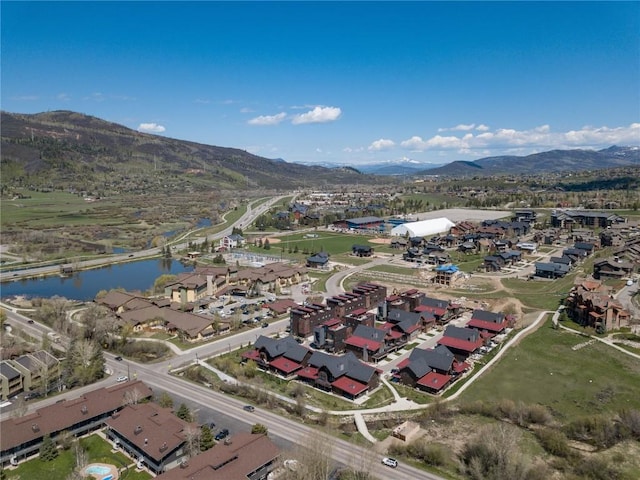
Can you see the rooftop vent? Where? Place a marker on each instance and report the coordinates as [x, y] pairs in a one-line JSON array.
[[163, 447], [35, 427], [138, 429], [84, 409]]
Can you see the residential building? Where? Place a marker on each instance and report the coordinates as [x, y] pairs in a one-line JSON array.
[[22, 436], [343, 375], [10, 380], [150, 434], [243, 456]]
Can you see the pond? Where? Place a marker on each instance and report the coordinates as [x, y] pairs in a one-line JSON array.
[[86, 284]]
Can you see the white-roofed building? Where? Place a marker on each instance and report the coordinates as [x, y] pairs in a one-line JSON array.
[[423, 228]]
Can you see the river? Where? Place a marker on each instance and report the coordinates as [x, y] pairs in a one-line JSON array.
[[86, 284]]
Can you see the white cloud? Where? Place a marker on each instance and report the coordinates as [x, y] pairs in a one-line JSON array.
[[63, 97], [540, 138], [246, 110], [352, 149], [151, 128], [461, 127], [318, 115], [268, 119], [382, 144], [414, 143]]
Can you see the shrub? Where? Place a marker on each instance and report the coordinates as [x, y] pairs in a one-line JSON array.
[[554, 442], [598, 430], [596, 468]]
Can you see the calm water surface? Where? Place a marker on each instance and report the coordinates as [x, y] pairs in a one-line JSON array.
[[86, 284]]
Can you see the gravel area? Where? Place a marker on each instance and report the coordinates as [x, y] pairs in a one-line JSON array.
[[461, 214]]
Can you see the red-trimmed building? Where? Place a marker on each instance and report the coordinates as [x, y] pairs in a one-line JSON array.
[[442, 310], [461, 341], [343, 375], [492, 323], [283, 356], [431, 369]]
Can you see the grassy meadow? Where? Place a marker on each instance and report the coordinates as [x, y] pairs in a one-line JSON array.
[[556, 369]]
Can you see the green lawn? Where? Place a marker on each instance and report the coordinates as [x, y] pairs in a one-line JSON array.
[[98, 451], [51, 208], [543, 368]]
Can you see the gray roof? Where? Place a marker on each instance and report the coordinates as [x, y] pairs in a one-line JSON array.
[[347, 364], [461, 333], [434, 302], [8, 371], [30, 363], [286, 346], [422, 361], [364, 331], [364, 220], [396, 315], [487, 316]]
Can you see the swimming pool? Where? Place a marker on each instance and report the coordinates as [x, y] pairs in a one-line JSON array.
[[97, 470]]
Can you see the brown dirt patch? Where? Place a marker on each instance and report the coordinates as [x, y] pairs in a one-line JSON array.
[[273, 240], [380, 241]]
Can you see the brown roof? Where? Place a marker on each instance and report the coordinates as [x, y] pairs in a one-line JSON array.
[[61, 416], [154, 430], [233, 460], [189, 323], [115, 299], [282, 306]]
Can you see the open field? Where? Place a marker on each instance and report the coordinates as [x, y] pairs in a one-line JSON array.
[[551, 368]]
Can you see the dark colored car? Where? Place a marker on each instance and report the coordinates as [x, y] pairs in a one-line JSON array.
[[118, 358], [265, 324], [222, 434], [31, 395], [249, 408]]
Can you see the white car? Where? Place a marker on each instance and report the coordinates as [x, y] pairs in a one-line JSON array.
[[122, 378], [390, 462]]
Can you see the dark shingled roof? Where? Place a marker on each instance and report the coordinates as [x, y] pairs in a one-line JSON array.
[[286, 346], [347, 364]]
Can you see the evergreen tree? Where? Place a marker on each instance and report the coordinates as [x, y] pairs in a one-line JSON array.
[[48, 450], [165, 400], [184, 413], [206, 438], [259, 428], [267, 245]]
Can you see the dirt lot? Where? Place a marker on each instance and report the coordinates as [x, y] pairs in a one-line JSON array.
[[461, 214]]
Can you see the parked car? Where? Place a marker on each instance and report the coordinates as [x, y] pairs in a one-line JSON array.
[[29, 321], [122, 378], [249, 408], [31, 395], [222, 434], [118, 358], [265, 324], [390, 462]]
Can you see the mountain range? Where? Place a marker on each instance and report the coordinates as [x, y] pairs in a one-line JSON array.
[[553, 161], [64, 148]]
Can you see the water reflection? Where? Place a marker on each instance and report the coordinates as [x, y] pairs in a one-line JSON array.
[[85, 285]]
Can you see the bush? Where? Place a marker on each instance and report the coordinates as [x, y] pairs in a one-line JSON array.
[[599, 431], [596, 468], [554, 442]]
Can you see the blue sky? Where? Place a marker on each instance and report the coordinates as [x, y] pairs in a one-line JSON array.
[[334, 82]]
